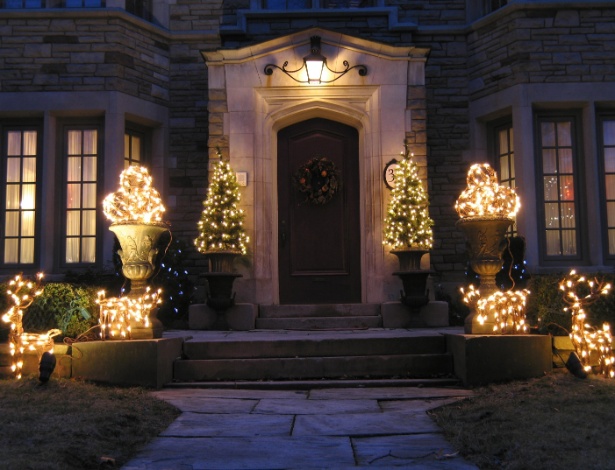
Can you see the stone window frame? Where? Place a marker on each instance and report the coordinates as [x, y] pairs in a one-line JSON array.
[[609, 225]]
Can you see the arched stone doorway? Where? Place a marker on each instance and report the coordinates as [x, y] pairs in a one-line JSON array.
[[249, 108]]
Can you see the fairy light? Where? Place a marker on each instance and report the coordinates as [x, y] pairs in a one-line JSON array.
[[407, 222], [136, 200], [579, 293], [505, 309], [117, 314], [484, 197], [221, 223], [22, 293]]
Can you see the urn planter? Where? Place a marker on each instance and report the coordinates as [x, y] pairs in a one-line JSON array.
[[139, 250], [414, 279], [220, 278], [485, 243]]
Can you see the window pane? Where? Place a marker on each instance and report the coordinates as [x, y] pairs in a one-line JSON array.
[[547, 131], [569, 243], [610, 211], [74, 169], [565, 161], [73, 221], [13, 139], [89, 195], [89, 223], [29, 143], [89, 142], [12, 196], [28, 196], [504, 174], [89, 169], [564, 138], [608, 131], [609, 160], [568, 216], [553, 245], [552, 215], [11, 224], [550, 188], [29, 170], [27, 224], [13, 167], [74, 142], [11, 250], [88, 255], [72, 250], [611, 241], [27, 250], [127, 146], [610, 186], [549, 161], [73, 199], [566, 188], [503, 141]]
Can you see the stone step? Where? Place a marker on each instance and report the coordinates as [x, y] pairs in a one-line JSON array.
[[319, 310], [283, 368], [303, 355], [319, 323]]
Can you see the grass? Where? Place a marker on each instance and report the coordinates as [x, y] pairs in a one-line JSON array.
[[557, 421], [69, 424]]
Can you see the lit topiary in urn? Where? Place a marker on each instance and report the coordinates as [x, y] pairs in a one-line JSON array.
[[135, 211], [407, 229], [486, 210], [222, 236]]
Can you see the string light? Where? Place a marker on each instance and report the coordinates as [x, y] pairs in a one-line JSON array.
[[505, 309], [484, 197], [117, 314], [22, 293], [221, 223], [579, 293], [407, 222], [136, 200]]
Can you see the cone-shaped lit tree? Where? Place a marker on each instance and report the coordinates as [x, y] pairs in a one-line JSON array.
[[408, 229], [222, 235]]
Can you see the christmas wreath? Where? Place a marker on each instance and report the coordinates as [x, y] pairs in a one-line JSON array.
[[318, 178]]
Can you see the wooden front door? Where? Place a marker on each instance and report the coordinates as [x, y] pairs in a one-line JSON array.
[[319, 244]]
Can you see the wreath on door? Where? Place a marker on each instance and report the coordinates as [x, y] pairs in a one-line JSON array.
[[318, 179]]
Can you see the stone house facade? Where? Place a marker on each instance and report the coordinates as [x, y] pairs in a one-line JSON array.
[[87, 87]]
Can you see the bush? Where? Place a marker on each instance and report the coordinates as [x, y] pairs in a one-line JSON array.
[[545, 308]]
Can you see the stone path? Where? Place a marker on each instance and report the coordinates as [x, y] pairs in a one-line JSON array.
[[332, 428]]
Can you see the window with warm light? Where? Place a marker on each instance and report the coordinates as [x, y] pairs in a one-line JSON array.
[[21, 160], [606, 132], [557, 156], [504, 157], [82, 156]]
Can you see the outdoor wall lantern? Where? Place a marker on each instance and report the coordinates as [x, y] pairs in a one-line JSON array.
[[314, 64]]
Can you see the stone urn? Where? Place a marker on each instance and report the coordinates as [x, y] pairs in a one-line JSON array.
[[414, 279], [139, 250], [485, 243], [220, 278]]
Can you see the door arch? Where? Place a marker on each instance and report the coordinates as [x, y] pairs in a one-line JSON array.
[[319, 258]]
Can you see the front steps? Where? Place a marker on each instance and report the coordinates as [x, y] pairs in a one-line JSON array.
[[307, 355], [319, 317]]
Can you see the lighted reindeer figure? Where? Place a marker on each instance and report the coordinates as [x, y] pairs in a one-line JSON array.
[[580, 292], [22, 293]]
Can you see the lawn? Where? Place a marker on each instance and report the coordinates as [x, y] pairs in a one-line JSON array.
[[554, 422], [69, 424]]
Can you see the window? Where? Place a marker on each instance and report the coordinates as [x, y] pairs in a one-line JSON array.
[[308, 4], [22, 3], [557, 169], [133, 145], [504, 153], [82, 157], [606, 131], [20, 177], [84, 3]]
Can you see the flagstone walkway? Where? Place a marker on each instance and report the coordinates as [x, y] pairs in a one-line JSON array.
[[332, 428]]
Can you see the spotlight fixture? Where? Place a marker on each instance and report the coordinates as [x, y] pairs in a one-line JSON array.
[[314, 63]]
